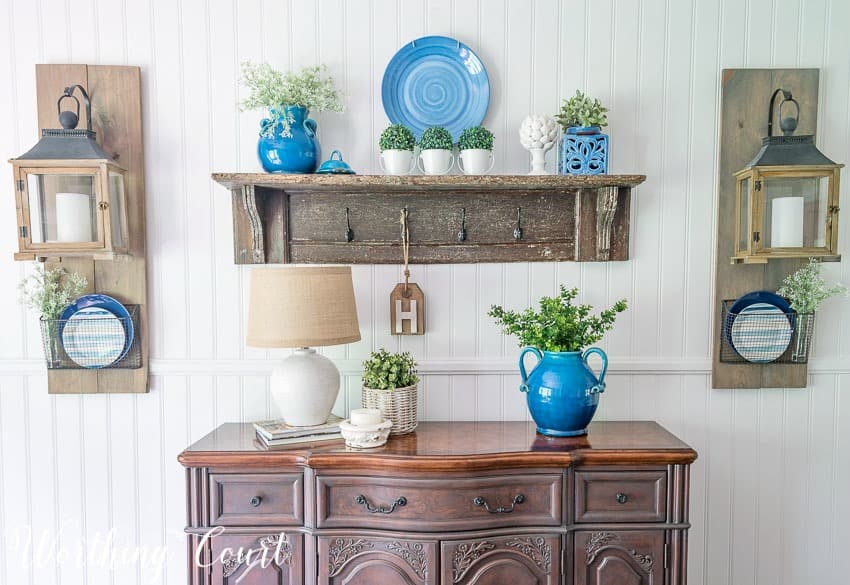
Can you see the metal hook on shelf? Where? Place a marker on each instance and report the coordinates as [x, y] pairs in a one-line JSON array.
[[349, 234], [461, 234], [518, 228]]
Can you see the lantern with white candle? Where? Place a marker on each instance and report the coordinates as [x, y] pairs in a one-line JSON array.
[[70, 192], [787, 196]]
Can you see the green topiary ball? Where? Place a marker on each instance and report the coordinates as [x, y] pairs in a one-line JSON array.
[[436, 137], [476, 137], [397, 137]]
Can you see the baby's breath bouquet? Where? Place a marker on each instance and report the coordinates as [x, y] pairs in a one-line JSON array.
[[273, 90], [50, 291], [805, 289]]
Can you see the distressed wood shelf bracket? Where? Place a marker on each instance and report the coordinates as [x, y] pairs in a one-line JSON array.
[[458, 219]]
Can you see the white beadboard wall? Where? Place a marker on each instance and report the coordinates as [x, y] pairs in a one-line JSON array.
[[769, 492]]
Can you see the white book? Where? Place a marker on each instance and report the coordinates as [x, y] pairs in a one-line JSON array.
[[277, 429], [296, 440]]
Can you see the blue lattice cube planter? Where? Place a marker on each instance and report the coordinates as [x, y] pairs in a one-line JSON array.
[[583, 152]]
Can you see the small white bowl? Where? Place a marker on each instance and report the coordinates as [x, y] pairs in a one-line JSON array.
[[365, 436]]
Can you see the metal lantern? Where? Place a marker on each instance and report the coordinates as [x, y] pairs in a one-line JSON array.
[[71, 195], [787, 196]]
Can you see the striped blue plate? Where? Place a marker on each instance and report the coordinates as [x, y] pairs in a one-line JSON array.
[[94, 337], [761, 333]]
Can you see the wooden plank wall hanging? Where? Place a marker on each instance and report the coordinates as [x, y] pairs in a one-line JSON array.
[[115, 93], [743, 123]]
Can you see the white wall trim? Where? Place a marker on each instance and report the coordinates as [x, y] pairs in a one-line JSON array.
[[246, 367]]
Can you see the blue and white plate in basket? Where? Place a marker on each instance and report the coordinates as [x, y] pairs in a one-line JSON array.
[[96, 331], [761, 332], [436, 81]]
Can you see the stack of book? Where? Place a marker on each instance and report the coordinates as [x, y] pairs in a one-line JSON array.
[[273, 433]]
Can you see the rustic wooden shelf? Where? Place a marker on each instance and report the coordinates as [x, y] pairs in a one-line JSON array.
[[452, 218]]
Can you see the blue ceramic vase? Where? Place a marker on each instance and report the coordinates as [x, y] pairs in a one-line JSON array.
[[562, 391], [298, 153], [583, 151]]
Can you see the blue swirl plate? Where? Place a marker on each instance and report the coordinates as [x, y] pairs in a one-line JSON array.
[[436, 81]]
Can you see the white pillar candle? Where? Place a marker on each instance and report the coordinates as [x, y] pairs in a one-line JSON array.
[[366, 416], [73, 217], [786, 227]]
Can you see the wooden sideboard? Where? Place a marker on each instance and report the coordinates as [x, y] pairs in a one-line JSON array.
[[453, 503]]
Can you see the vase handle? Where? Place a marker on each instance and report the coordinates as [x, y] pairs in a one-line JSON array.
[[600, 383], [522, 372], [310, 125]]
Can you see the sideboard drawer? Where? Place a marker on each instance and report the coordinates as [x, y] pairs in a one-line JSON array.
[[256, 499], [434, 504], [621, 496]]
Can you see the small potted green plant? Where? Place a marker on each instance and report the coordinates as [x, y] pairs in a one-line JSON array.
[[584, 149], [805, 291], [435, 151], [476, 151], [397, 143], [48, 292], [562, 391], [390, 384], [288, 142]]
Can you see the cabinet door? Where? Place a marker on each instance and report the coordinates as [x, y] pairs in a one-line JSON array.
[[519, 560], [257, 559], [619, 557], [355, 560]]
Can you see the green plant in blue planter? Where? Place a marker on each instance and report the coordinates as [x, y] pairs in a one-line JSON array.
[[562, 391], [583, 149], [288, 142]]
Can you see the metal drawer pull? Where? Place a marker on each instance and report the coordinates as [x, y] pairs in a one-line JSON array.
[[361, 499], [518, 499], [256, 501], [622, 498]]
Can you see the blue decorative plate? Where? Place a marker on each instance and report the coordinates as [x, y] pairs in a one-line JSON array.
[[92, 327], [759, 326], [436, 81]]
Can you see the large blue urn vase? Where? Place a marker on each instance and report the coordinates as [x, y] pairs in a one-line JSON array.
[[562, 391], [297, 152]]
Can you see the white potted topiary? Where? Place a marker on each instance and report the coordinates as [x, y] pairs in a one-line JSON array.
[[397, 143], [476, 151], [435, 151]]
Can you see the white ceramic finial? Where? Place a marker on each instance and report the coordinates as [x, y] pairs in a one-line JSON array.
[[538, 134]]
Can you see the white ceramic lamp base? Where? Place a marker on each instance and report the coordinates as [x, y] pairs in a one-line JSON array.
[[304, 386]]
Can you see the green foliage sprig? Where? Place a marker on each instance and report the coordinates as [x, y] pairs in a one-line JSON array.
[[475, 137], [436, 137], [388, 371], [397, 137], [309, 88], [581, 110], [559, 325], [50, 291], [806, 290]]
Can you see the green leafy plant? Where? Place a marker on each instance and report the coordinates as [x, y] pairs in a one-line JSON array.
[[806, 290], [397, 137], [50, 291], [388, 371], [581, 110], [436, 137], [475, 137], [559, 325], [273, 90]]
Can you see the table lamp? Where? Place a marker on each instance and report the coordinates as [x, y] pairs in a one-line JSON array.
[[302, 307]]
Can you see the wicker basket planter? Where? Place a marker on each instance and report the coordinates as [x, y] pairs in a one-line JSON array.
[[397, 405]]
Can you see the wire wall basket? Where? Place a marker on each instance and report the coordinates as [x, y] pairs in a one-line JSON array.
[[98, 341], [763, 336]]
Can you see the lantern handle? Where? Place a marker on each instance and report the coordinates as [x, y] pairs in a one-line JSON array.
[[71, 122], [787, 128]]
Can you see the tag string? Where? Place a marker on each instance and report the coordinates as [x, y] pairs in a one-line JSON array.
[[405, 246]]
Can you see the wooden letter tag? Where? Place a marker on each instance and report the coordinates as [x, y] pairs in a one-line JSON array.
[[407, 310]]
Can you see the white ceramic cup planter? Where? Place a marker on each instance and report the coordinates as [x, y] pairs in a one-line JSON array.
[[476, 161], [397, 162], [436, 161]]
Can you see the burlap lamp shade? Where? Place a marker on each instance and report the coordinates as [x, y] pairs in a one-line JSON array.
[[303, 307]]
